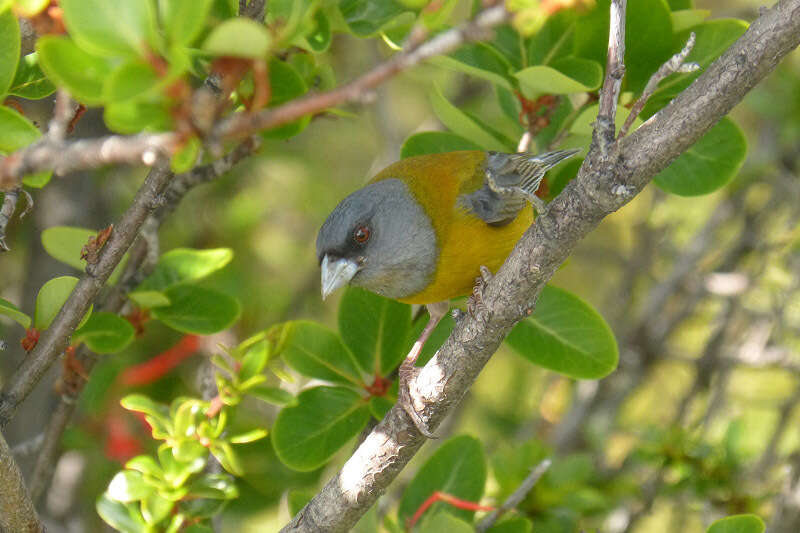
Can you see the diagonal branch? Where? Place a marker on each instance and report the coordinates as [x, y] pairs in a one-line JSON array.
[[599, 189]]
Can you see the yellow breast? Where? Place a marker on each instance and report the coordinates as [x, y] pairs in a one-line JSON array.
[[465, 241]]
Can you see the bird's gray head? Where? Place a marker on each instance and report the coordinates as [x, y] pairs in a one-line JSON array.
[[378, 238]]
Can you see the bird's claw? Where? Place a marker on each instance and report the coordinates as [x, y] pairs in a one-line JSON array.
[[475, 302], [406, 373]]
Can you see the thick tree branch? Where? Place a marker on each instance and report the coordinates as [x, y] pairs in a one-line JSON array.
[[64, 157], [17, 513], [598, 190]]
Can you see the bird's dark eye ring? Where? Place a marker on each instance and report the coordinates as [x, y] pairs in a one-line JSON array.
[[361, 234]]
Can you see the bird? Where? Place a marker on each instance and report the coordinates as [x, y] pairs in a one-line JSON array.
[[423, 229]]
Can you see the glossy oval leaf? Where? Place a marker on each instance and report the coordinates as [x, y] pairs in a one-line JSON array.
[[80, 72], [568, 75], [441, 522], [30, 81], [238, 37], [648, 40], [480, 60], [319, 38], [744, 523], [134, 115], [121, 28], [64, 243], [148, 299], [131, 79], [197, 310], [317, 352], [105, 333], [12, 311], [435, 142], [709, 164], [9, 49], [182, 265], [272, 395], [286, 84], [457, 468], [375, 329], [554, 39], [365, 17], [51, 299], [460, 123], [16, 132], [516, 524], [183, 20], [307, 435], [566, 335], [121, 516]]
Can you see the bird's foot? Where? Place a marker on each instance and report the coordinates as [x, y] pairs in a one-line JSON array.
[[406, 373], [475, 302]]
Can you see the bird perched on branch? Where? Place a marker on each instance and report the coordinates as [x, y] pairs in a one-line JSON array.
[[421, 230]]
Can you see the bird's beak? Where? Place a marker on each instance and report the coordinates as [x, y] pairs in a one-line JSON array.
[[336, 274]]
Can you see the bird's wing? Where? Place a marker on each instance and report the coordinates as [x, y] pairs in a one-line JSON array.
[[511, 180]]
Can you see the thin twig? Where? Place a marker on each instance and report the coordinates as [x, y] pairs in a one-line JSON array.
[[671, 66], [516, 497], [6, 212], [615, 71]]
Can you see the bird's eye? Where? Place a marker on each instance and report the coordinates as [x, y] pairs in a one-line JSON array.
[[361, 234]]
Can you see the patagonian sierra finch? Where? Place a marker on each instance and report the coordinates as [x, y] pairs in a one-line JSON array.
[[422, 228]]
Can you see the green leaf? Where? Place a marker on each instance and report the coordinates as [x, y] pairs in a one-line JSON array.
[[51, 298], [121, 28], [584, 123], [186, 158], [64, 243], [183, 265], [272, 395], [566, 335], [566, 76], [365, 17], [239, 37], [379, 406], [249, 436], [687, 18], [439, 522], [319, 38], [435, 142], [317, 352], [155, 508], [9, 49], [148, 299], [183, 20], [12, 311], [30, 81], [457, 468], [105, 333], [517, 524], [435, 341], [298, 499], [133, 78], [29, 8], [480, 60], [554, 40], [307, 435], [128, 486], [215, 486], [146, 465], [143, 404], [709, 164], [122, 517], [460, 123], [227, 457], [286, 84], [17, 132], [743, 523], [80, 72], [375, 329], [197, 310], [644, 56], [134, 116], [254, 360]]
